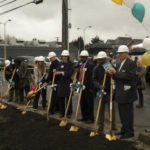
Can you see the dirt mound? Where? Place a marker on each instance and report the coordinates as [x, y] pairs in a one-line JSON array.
[[33, 132]]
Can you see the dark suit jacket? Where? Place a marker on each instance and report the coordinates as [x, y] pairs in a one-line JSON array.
[[98, 77], [88, 75], [65, 80], [126, 82], [53, 66]]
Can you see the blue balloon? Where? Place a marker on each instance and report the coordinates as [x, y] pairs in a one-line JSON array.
[[138, 11]]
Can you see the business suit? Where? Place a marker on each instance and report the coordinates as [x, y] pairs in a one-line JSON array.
[[98, 77], [54, 102], [63, 90], [125, 95], [87, 98]]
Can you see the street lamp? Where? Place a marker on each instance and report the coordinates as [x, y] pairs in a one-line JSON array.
[[84, 29], [5, 42]]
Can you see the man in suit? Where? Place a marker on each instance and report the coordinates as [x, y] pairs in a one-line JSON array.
[[87, 98], [98, 77], [54, 64], [125, 77]]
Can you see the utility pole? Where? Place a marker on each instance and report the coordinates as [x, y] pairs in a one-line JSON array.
[[65, 24]]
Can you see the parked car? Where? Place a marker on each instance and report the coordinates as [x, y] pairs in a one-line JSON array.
[[28, 59]]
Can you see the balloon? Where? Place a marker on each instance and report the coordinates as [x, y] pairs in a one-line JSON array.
[[129, 3], [146, 43], [138, 11], [119, 2], [146, 59]]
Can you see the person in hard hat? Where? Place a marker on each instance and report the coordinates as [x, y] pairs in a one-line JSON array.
[[8, 74], [125, 95], [64, 71], [87, 98], [141, 83], [36, 59], [39, 80], [22, 79], [54, 65], [98, 77]]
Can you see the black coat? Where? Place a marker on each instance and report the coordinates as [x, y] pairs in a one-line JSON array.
[[54, 65], [125, 78], [65, 80], [88, 75], [98, 77]]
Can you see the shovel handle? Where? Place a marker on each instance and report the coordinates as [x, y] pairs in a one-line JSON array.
[[100, 103], [50, 96], [80, 94], [70, 96], [10, 81]]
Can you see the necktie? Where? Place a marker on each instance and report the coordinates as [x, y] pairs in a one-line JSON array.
[[81, 72]]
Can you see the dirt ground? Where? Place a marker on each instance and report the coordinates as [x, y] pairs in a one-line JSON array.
[[33, 132]]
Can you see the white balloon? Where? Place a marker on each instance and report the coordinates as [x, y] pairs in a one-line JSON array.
[[146, 43], [129, 3]]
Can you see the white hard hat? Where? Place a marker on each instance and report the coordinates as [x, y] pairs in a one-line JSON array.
[[51, 54], [101, 54], [65, 53], [84, 53], [7, 63], [123, 49], [41, 58], [36, 58]]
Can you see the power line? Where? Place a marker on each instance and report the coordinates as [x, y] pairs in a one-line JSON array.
[[3, 1], [34, 1], [8, 3], [7, 11]]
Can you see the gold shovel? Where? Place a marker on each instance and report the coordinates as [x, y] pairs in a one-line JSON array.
[[31, 95], [50, 97], [75, 128], [94, 133], [64, 121], [111, 136], [7, 92]]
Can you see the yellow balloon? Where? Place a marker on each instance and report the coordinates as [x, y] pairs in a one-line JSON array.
[[146, 59], [119, 2]]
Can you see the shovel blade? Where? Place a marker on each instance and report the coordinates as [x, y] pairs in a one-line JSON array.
[[3, 106], [92, 134], [110, 137], [63, 123], [23, 113], [74, 129]]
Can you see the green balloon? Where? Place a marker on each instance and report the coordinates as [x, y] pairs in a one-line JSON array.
[[138, 11]]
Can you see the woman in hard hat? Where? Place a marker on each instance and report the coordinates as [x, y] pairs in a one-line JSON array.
[[141, 83], [64, 71], [39, 79], [8, 74]]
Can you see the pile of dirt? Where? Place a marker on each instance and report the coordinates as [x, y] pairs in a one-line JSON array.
[[33, 132]]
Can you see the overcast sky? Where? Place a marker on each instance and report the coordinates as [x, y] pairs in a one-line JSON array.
[[108, 20]]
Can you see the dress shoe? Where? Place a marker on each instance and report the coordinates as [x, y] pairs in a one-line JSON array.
[[119, 133], [89, 121], [139, 106], [10, 100], [82, 120], [126, 136]]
